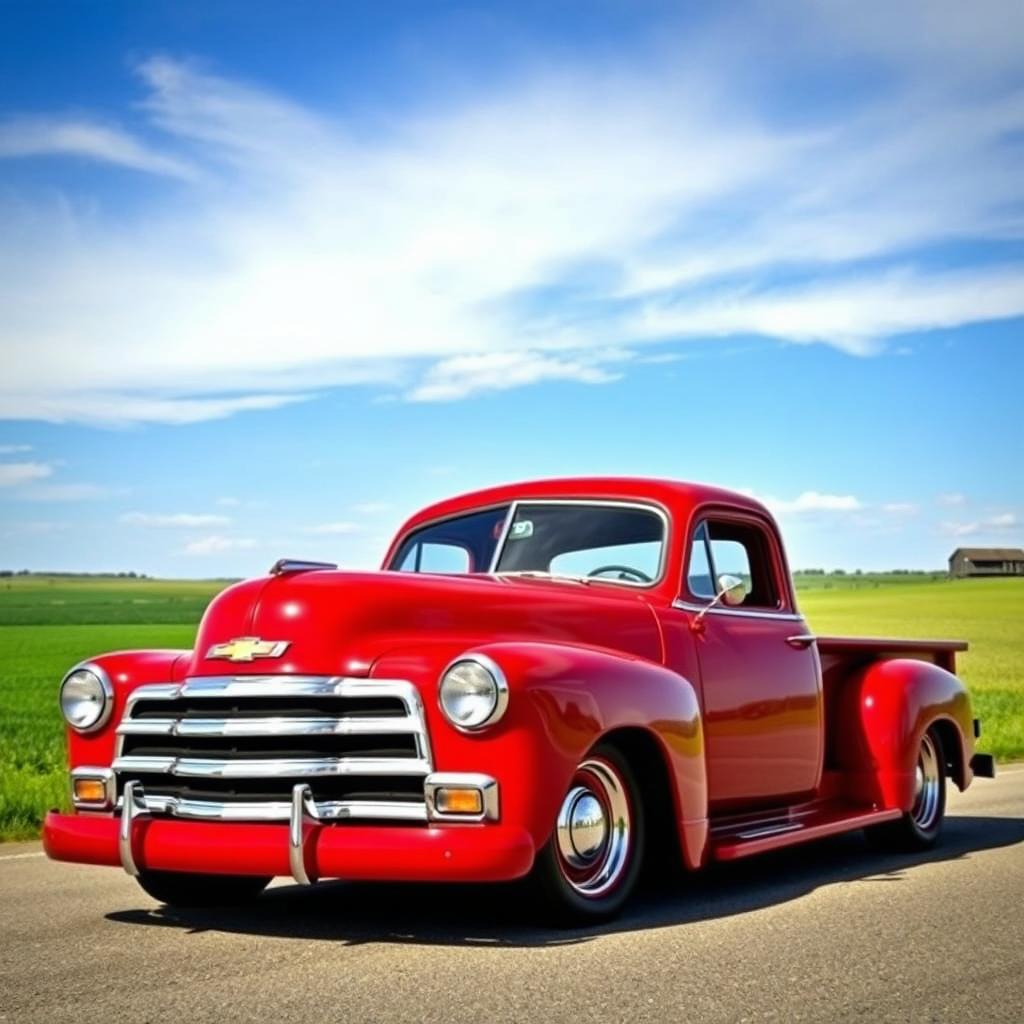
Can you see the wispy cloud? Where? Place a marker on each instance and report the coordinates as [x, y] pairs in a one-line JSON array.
[[175, 521], [335, 529], [992, 525], [217, 544], [952, 499], [29, 137], [15, 474], [461, 376], [15, 449], [70, 492], [526, 231], [814, 501]]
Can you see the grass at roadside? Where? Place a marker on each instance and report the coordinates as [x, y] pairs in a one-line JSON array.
[[46, 626]]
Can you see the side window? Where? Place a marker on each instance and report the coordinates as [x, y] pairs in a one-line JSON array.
[[428, 556], [724, 547], [698, 576]]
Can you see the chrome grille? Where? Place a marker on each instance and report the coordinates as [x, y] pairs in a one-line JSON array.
[[233, 748]]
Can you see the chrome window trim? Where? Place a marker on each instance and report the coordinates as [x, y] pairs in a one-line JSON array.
[[643, 506], [747, 613], [400, 542], [109, 780], [500, 703], [487, 787], [108, 693]]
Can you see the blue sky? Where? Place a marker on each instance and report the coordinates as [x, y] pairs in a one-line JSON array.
[[270, 281]]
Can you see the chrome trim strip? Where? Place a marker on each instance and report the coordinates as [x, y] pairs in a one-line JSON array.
[[280, 810], [106, 775], [592, 503], [300, 822], [748, 613], [769, 830], [278, 726], [264, 768], [487, 786], [133, 806]]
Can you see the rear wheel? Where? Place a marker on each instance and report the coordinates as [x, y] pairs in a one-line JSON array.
[[590, 865], [919, 827], [183, 889]]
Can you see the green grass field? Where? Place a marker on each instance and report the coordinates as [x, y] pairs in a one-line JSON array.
[[46, 625]]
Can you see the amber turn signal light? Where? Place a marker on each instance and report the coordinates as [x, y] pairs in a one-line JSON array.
[[90, 791], [459, 800]]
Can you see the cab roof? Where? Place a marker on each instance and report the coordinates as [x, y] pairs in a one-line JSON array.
[[678, 498]]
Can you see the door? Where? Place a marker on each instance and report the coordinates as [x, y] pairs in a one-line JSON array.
[[760, 673]]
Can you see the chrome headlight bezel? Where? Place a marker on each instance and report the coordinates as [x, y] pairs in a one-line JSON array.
[[101, 697], [494, 682]]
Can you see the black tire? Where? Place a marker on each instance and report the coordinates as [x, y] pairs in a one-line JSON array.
[[920, 827], [184, 889], [596, 887]]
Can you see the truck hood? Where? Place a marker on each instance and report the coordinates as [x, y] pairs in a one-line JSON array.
[[339, 623]]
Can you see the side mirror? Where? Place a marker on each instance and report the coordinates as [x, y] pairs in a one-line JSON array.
[[732, 590]]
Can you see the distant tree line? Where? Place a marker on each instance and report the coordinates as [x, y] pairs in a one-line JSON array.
[[7, 573]]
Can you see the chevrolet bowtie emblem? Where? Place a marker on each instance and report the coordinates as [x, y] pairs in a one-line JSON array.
[[248, 648]]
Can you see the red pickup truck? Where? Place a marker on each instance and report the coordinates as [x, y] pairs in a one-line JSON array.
[[558, 679]]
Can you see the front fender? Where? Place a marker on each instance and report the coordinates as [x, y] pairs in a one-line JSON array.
[[126, 670], [563, 700], [886, 708]]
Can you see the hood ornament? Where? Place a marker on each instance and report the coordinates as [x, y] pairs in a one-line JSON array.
[[248, 648]]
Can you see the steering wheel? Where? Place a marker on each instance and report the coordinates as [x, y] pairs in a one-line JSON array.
[[625, 572]]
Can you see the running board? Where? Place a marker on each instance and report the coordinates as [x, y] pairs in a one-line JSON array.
[[744, 839]]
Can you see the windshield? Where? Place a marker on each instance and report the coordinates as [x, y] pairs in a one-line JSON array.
[[610, 542]]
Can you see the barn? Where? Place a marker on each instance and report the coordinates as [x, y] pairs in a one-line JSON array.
[[987, 562]]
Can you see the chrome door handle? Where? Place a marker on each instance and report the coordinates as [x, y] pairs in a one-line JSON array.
[[801, 640]]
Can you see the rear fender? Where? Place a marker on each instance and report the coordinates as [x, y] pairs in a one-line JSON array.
[[886, 708], [563, 700]]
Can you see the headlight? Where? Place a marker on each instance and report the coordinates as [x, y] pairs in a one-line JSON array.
[[86, 698], [474, 692]]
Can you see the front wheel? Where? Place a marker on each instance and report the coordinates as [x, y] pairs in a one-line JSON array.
[[183, 889], [919, 827], [590, 865]]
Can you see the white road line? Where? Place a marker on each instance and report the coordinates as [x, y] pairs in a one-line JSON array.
[[22, 856]]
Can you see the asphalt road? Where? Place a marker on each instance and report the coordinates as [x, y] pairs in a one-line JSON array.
[[830, 932]]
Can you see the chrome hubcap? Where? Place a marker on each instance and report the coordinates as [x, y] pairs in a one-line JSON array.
[[582, 827], [593, 830], [926, 785]]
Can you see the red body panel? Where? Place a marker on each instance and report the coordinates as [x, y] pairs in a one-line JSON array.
[[740, 719]]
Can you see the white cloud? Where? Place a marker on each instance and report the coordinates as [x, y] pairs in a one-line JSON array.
[[30, 137], [217, 544], [14, 474], [70, 492], [228, 502], [371, 508], [178, 520], [992, 525], [333, 528], [517, 232], [901, 508], [1003, 521], [14, 449], [952, 498], [461, 376], [814, 501]]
